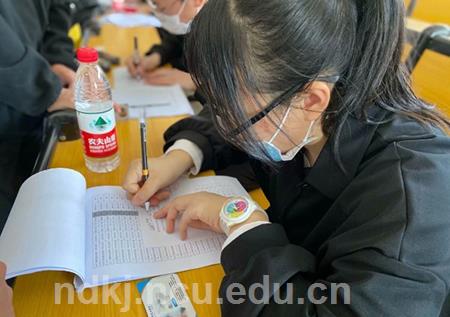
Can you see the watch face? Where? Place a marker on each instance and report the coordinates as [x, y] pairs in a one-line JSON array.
[[236, 208]]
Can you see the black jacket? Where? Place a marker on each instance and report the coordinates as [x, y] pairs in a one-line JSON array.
[[34, 35], [383, 227], [171, 49]]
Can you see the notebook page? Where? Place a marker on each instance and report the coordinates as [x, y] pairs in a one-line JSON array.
[[46, 227], [127, 243]]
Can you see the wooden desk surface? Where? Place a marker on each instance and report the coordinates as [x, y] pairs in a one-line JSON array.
[[431, 80], [434, 11], [34, 294]]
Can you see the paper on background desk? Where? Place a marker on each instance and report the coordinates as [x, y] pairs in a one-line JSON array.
[[158, 101], [129, 20]]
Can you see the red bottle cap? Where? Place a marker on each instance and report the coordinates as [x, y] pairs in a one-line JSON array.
[[87, 55]]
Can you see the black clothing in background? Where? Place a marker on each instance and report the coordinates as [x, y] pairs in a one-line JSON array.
[[33, 35], [171, 49]]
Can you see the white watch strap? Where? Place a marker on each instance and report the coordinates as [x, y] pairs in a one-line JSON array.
[[227, 223]]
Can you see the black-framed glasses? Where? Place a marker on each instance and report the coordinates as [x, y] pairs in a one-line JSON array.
[[275, 103]]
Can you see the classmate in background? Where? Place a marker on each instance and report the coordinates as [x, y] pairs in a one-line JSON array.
[[175, 16], [36, 77], [56, 46], [355, 166]]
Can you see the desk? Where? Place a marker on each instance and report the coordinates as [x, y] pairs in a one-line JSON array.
[[34, 294], [435, 11]]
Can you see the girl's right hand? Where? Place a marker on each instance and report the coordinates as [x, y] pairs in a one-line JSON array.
[[163, 172]]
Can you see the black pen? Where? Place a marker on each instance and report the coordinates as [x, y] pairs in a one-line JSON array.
[[136, 54], [145, 172]]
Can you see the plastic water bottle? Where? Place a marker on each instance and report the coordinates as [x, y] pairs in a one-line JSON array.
[[95, 113]]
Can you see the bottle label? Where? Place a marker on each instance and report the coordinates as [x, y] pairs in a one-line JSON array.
[[98, 133]]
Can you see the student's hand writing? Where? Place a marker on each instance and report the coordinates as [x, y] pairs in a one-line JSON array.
[[147, 64], [64, 101], [163, 172], [6, 295], [169, 76], [65, 74]]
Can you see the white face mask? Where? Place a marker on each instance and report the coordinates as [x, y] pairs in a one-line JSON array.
[[172, 23], [275, 153]]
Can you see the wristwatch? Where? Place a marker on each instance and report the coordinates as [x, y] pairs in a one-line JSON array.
[[237, 210]]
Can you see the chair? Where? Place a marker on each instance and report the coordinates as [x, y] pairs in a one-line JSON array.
[[429, 64], [58, 126], [410, 6]]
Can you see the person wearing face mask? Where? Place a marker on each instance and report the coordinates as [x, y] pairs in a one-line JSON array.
[[175, 17], [354, 165]]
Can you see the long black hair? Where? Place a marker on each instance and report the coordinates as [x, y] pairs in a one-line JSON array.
[[242, 48]]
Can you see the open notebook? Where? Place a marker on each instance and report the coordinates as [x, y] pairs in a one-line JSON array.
[[56, 224]]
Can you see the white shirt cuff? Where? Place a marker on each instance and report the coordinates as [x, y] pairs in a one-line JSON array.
[[193, 150], [241, 230]]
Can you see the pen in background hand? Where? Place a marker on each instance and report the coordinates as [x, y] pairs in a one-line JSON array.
[[145, 172], [136, 55]]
